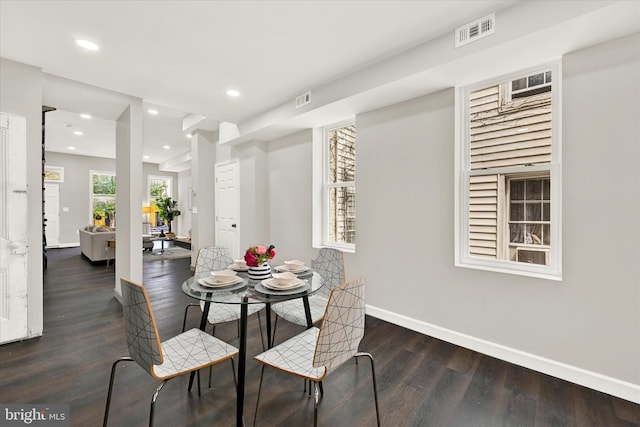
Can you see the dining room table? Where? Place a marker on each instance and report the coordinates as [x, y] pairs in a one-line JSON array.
[[244, 293]]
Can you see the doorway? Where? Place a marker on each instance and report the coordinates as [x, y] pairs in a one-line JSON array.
[[52, 213]]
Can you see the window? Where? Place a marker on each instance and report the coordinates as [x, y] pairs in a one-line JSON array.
[[508, 173], [334, 178], [159, 186], [103, 198]]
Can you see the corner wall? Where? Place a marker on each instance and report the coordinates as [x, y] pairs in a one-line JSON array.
[[586, 328], [21, 94]]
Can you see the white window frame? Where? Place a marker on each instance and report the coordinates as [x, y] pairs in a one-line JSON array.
[[321, 187], [91, 194], [553, 271], [159, 177]]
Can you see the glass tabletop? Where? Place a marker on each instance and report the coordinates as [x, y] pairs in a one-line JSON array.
[[248, 291]]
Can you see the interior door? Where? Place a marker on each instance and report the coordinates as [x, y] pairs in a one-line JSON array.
[[227, 206], [52, 213], [13, 228]]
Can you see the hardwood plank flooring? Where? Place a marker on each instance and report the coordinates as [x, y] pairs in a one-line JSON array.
[[422, 381]]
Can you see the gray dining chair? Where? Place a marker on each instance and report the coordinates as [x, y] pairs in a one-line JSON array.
[[329, 264], [184, 353], [317, 352]]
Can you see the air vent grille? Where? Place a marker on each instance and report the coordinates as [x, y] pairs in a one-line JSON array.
[[303, 99], [475, 30]]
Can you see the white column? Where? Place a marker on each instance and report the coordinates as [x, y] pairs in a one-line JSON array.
[[128, 195], [203, 161]]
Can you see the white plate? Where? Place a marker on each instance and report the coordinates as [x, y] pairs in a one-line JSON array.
[[200, 287], [274, 285], [287, 268], [211, 282], [260, 288], [236, 268]]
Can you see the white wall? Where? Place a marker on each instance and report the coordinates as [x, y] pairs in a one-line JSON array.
[[290, 197], [21, 94], [75, 190], [585, 328]]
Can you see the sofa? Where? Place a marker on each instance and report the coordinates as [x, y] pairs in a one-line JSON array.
[[93, 242]]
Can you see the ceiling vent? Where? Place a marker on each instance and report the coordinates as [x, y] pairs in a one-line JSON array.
[[303, 99], [475, 30]]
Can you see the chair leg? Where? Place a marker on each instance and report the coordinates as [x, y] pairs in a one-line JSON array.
[[191, 381], [213, 334], [153, 402], [261, 334], [255, 417], [186, 310], [316, 402], [199, 393], [113, 374], [375, 387], [233, 369], [273, 334]]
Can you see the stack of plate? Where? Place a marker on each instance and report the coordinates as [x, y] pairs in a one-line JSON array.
[[217, 281], [275, 285], [292, 268]]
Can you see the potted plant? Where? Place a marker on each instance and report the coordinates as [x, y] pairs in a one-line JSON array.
[[167, 209]]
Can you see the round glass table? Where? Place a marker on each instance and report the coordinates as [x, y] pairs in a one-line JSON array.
[[244, 293]]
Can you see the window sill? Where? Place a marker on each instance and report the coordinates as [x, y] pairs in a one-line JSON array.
[[351, 249], [509, 267]]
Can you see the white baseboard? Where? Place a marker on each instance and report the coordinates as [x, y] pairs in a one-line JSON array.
[[593, 380], [64, 245]]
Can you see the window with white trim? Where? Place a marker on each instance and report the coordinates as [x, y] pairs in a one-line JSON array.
[[159, 186], [103, 198], [508, 173], [339, 186]]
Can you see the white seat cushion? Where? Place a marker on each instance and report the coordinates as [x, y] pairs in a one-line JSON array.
[[295, 356], [193, 349]]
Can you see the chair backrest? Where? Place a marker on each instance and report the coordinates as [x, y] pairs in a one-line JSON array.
[[330, 265], [140, 327], [212, 258], [342, 327]]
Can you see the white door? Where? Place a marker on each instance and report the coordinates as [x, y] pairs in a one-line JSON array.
[[52, 213], [227, 201], [13, 228]]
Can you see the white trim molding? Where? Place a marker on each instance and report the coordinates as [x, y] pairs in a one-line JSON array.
[[583, 377]]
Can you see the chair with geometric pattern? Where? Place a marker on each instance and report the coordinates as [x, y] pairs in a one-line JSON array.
[[185, 353], [330, 265], [213, 259], [315, 353]]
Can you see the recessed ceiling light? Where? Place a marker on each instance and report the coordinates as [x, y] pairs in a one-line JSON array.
[[189, 136], [233, 92], [153, 112], [79, 133], [85, 116], [166, 147], [71, 147], [146, 157], [86, 44]]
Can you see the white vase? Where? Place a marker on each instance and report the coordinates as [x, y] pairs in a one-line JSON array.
[[259, 273]]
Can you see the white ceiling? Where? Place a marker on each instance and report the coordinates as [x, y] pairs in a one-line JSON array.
[[180, 57]]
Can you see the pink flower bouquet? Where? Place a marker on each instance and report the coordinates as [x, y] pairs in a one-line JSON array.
[[258, 255]]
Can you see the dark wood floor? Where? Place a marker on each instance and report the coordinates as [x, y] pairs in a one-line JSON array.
[[422, 381]]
